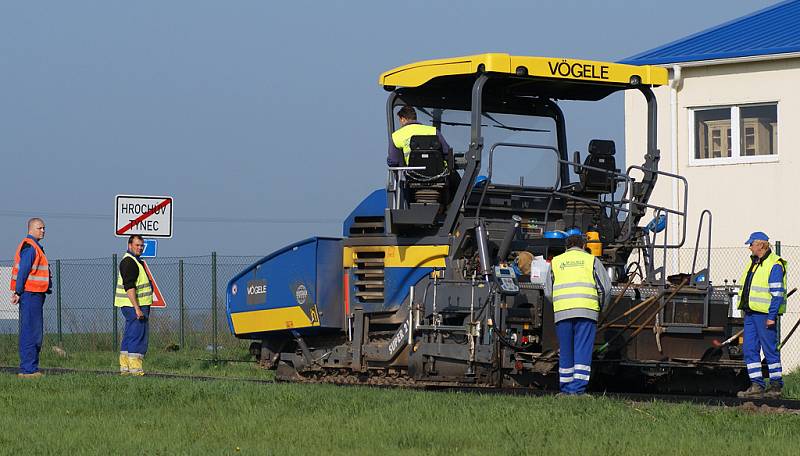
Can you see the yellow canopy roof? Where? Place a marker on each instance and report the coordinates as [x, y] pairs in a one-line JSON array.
[[417, 74]]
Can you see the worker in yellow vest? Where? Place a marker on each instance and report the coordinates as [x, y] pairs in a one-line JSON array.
[[762, 297], [134, 295], [400, 144], [579, 287]]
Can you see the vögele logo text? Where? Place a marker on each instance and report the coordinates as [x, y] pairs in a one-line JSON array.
[[578, 70], [257, 291]]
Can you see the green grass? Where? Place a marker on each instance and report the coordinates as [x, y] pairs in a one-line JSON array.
[[104, 341], [236, 361], [86, 414], [195, 362], [791, 388]]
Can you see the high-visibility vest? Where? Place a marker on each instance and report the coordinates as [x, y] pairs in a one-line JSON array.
[[759, 297], [574, 286], [144, 291], [402, 137], [39, 278]]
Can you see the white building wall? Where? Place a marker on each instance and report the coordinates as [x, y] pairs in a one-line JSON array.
[[742, 197]]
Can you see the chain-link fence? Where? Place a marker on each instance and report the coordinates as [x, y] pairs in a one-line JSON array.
[[726, 265], [80, 315]]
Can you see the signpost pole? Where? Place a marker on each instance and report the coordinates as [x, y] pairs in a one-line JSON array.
[[214, 302], [180, 304], [113, 296]]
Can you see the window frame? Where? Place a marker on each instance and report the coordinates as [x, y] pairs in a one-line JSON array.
[[736, 147]]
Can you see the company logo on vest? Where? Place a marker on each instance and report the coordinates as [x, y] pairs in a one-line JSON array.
[[571, 264]]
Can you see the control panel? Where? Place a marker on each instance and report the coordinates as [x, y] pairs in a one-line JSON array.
[[506, 280]]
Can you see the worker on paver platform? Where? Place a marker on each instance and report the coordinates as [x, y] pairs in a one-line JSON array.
[[579, 286], [762, 297], [134, 295], [400, 146], [30, 282]]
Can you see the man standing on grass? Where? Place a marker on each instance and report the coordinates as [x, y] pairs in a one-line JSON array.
[[134, 296], [30, 282], [578, 286], [763, 298]]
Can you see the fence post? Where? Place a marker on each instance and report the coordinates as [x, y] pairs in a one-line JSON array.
[[214, 301], [58, 304], [113, 297], [180, 305]]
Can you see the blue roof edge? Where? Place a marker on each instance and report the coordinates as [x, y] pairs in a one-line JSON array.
[[638, 60], [717, 56]]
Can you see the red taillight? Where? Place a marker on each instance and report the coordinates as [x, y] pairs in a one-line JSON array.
[[524, 339]]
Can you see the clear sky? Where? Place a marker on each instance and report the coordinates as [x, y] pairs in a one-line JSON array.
[[263, 119]]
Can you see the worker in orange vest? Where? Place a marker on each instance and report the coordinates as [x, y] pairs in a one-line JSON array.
[[30, 282]]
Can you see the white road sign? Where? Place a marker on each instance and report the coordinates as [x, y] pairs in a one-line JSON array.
[[149, 216], [8, 311]]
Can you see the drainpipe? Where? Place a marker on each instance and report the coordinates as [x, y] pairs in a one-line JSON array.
[[674, 86]]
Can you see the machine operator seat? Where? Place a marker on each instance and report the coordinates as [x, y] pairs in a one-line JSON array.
[[601, 155], [425, 191], [427, 185]]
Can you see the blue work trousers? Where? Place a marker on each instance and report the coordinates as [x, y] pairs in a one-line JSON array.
[[576, 343], [134, 341], [31, 331], [758, 338]]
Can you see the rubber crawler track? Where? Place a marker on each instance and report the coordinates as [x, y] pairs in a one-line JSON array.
[[712, 401]]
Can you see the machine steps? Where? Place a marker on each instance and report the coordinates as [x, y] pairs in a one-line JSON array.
[[367, 226]]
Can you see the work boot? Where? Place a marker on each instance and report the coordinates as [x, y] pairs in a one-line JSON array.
[[755, 391], [32, 375], [124, 368], [135, 365], [774, 391]]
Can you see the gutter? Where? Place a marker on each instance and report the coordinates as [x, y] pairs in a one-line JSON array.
[[675, 84], [729, 61]]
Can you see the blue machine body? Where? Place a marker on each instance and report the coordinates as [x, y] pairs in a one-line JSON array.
[[301, 287], [298, 287], [403, 266], [373, 205]]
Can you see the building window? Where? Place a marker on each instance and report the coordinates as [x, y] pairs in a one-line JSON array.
[[712, 133], [759, 129], [734, 134]]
